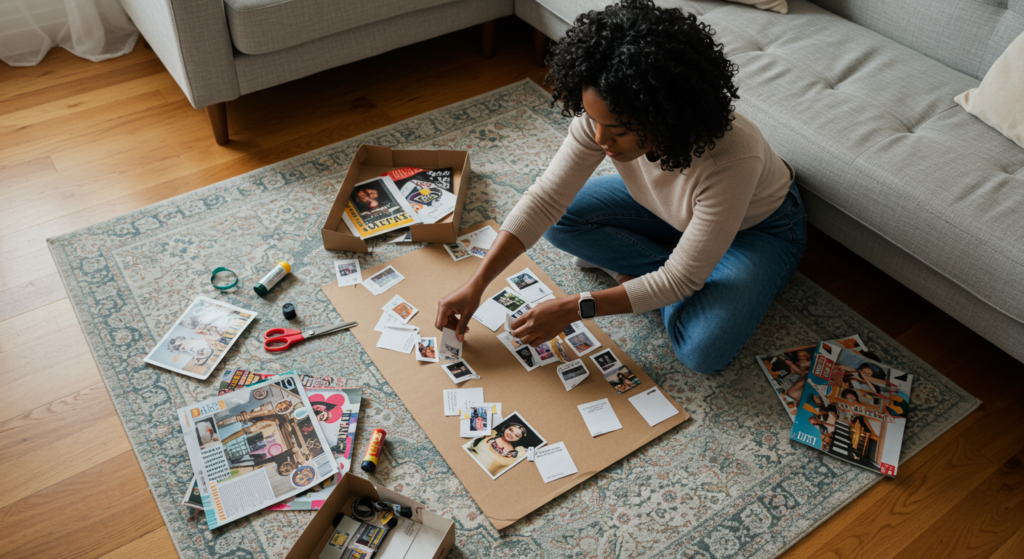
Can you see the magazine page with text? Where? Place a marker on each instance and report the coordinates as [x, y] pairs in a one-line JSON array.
[[255, 447]]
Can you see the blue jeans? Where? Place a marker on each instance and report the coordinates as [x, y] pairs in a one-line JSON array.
[[605, 226]]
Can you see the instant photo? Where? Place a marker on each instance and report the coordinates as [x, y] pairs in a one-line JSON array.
[[459, 372], [400, 309], [505, 446], [383, 280], [198, 340], [426, 350], [528, 286], [348, 272]]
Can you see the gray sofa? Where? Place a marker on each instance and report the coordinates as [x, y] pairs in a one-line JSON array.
[[858, 97], [218, 50]]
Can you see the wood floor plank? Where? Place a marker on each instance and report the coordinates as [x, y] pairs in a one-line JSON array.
[[25, 328], [111, 526], [981, 522], [29, 267], [154, 545], [1012, 549], [45, 467], [31, 295], [104, 483], [17, 173]]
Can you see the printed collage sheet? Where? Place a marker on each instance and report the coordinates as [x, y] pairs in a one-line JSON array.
[[255, 447], [199, 339], [853, 408], [397, 199], [337, 410]]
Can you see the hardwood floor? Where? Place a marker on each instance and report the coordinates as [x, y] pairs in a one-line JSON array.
[[82, 142]]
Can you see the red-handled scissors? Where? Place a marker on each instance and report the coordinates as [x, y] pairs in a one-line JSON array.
[[280, 339]]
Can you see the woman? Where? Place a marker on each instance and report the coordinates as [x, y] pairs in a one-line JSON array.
[[499, 451], [703, 219]]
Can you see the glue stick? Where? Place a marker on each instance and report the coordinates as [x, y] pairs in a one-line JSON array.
[[270, 280], [373, 450]]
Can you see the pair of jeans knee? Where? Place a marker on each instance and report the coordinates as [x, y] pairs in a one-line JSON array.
[[700, 355]]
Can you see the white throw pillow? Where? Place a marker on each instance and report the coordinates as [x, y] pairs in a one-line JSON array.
[[773, 5], [999, 100]]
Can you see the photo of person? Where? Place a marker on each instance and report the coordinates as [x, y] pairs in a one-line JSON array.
[[544, 351], [480, 419], [426, 350], [605, 360], [459, 372], [621, 378], [526, 355], [345, 269], [374, 201], [505, 446], [457, 251], [479, 252]]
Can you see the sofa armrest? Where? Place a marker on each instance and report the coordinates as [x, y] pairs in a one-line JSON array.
[[192, 40]]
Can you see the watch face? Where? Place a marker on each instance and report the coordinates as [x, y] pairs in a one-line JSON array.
[[588, 309]]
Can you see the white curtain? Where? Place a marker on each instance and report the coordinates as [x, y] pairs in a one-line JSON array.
[[92, 29]]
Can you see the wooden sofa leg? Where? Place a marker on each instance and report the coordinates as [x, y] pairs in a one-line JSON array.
[[218, 114], [489, 29], [540, 47]]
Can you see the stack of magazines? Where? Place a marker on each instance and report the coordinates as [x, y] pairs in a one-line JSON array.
[[843, 401], [398, 199]]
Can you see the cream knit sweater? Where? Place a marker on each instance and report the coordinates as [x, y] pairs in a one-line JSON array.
[[730, 188]]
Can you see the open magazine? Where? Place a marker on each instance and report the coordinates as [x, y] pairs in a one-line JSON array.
[[375, 207], [854, 408], [428, 192], [786, 370], [198, 340], [255, 447]]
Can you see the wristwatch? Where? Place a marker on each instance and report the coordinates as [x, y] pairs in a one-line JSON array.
[[588, 308]]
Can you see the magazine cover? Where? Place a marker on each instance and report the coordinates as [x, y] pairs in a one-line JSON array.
[[853, 408], [255, 447], [376, 207], [786, 370], [429, 193], [199, 339]]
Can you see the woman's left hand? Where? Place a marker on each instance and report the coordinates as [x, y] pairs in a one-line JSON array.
[[545, 321]]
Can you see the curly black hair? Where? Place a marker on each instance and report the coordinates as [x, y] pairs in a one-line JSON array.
[[654, 67]]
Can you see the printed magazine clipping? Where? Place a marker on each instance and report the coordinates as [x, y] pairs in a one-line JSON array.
[[376, 207], [255, 447], [786, 370], [854, 409], [199, 339]]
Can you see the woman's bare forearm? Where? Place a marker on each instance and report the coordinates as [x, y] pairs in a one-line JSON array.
[[506, 248]]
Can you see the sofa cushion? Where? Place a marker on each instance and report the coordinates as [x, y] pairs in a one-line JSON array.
[[262, 26], [871, 127]]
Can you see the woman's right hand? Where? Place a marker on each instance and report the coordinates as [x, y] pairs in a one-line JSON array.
[[458, 307]]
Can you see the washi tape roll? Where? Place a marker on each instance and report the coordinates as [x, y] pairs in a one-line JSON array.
[[213, 278], [362, 508]]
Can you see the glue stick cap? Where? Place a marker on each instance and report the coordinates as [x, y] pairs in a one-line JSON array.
[[287, 267]]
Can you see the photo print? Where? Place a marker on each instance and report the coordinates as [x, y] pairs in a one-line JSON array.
[[383, 280], [528, 286], [505, 446], [572, 374], [348, 272], [200, 337], [476, 421], [522, 352], [617, 374], [451, 347], [459, 372], [400, 309], [457, 251], [493, 310], [426, 350], [579, 338]]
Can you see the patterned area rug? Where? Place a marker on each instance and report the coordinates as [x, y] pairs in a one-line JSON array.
[[728, 483]]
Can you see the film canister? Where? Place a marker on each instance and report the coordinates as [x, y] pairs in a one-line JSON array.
[[289, 311], [373, 451]]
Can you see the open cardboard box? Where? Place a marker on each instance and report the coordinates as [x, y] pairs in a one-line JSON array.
[[321, 528], [372, 161]]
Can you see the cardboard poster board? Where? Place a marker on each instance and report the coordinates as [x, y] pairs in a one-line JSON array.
[[538, 395]]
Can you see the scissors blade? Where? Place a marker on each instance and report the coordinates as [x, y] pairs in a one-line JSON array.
[[314, 332]]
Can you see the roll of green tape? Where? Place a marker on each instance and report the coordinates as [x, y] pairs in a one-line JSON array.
[[213, 278]]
